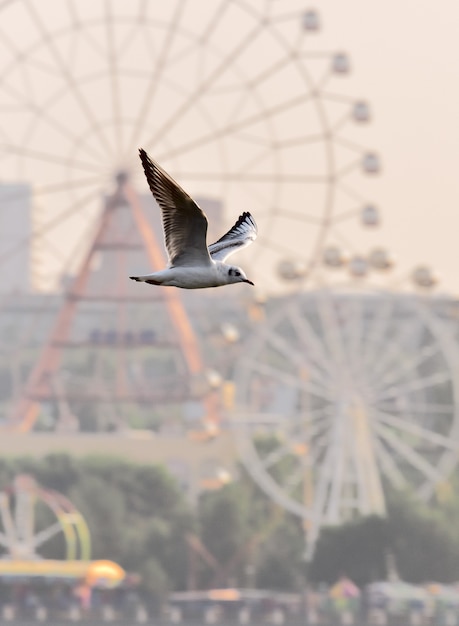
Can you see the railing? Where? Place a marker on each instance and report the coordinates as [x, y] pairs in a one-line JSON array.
[[212, 617], [443, 619]]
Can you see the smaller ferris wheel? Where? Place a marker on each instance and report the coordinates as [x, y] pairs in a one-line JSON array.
[[348, 392], [31, 516]]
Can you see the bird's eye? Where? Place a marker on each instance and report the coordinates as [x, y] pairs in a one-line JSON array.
[[236, 273]]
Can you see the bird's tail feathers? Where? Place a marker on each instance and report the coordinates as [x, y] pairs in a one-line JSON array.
[[146, 279]]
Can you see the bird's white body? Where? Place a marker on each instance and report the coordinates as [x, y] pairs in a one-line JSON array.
[[188, 277], [193, 264]]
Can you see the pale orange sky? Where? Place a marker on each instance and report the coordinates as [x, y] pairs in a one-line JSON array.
[[406, 62]]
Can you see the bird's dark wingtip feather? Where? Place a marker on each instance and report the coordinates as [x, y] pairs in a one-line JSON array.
[[147, 163], [246, 216]]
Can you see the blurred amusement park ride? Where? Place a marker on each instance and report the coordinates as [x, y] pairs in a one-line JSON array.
[[31, 516], [346, 392], [334, 393], [246, 117]]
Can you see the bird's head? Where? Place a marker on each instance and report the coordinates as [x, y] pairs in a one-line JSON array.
[[236, 275]]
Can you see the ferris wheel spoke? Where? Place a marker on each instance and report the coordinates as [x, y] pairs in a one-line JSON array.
[[337, 97], [274, 457], [46, 117], [232, 128], [307, 416], [238, 106], [351, 193], [388, 466], [136, 31], [346, 215], [114, 83], [319, 447], [34, 63], [6, 517], [302, 140], [214, 20], [352, 330], [420, 384], [411, 427], [324, 486], [321, 82], [289, 379], [300, 217], [418, 409], [333, 339], [350, 145], [76, 23], [253, 419], [255, 160], [347, 169], [341, 239], [39, 155], [297, 359], [301, 473], [318, 434], [154, 82], [254, 140], [310, 340], [339, 124], [69, 79], [44, 535], [404, 337], [80, 183], [408, 365], [51, 189], [376, 339], [203, 88], [408, 454], [268, 72]]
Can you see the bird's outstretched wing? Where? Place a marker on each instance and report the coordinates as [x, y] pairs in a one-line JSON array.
[[240, 235], [184, 223]]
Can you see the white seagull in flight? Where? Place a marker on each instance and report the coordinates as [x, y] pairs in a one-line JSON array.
[[193, 265]]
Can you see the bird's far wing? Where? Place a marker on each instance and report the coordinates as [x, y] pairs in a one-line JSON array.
[[184, 223], [240, 235]]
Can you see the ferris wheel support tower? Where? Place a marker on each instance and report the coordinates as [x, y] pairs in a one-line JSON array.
[[40, 384]]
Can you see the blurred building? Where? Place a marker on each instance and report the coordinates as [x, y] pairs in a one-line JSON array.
[[15, 228]]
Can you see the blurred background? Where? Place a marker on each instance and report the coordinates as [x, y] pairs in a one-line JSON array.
[[282, 454]]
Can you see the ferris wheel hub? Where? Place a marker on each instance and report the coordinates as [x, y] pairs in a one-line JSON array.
[[121, 178]]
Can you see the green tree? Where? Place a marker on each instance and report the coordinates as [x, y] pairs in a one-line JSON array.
[[424, 541], [356, 549]]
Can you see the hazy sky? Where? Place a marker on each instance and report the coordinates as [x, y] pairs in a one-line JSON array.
[[406, 62]]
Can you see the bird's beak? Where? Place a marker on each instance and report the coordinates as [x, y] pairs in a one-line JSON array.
[[249, 281]]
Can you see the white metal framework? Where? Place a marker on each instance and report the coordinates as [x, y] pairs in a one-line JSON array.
[[343, 394], [30, 516]]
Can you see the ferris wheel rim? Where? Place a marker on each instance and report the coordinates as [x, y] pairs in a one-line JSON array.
[[246, 444]]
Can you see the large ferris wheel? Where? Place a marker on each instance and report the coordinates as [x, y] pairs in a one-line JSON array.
[[235, 101]]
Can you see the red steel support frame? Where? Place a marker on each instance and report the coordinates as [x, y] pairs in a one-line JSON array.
[[25, 412]]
